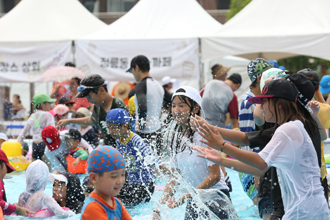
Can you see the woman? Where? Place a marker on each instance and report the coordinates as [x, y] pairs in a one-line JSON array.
[[196, 172], [290, 150]]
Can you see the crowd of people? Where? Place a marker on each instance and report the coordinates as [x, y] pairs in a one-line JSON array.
[[274, 140]]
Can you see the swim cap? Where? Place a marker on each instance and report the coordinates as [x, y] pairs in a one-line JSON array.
[[117, 116], [104, 159]]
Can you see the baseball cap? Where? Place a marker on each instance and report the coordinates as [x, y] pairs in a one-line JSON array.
[[166, 80], [51, 137], [59, 177], [190, 92], [219, 70], [256, 67], [140, 60], [3, 136], [41, 98], [280, 88], [65, 100], [73, 134], [61, 109], [236, 78], [117, 116], [304, 87], [325, 84], [104, 159], [273, 63], [268, 73], [84, 111], [4, 158], [312, 75], [88, 83]]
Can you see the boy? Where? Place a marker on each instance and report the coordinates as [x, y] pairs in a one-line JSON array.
[[57, 148], [38, 120], [7, 208], [72, 140], [138, 157], [106, 168]]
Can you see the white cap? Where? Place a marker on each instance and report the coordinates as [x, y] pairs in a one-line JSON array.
[[190, 93], [59, 177], [3, 136], [268, 73], [166, 80], [84, 111]]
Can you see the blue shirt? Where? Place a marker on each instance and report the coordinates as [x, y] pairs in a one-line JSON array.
[[139, 159]]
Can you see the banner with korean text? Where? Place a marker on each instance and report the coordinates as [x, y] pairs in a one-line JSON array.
[[27, 62], [177, 58]]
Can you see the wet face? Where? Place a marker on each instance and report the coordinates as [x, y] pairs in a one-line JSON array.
[[46, 106], [180, 111], [94, 97], [71, 144], [110, 183], [268, 110], [117, 130], [59, 191]]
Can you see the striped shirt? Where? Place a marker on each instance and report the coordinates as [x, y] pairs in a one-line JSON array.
[[246, 119]]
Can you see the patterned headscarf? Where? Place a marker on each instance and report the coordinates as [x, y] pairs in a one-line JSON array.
[[256, 67]]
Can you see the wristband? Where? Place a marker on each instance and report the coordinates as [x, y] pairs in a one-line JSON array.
[[223, 144]]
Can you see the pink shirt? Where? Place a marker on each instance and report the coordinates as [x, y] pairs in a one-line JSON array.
[[6, 207]]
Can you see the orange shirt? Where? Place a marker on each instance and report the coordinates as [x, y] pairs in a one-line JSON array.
[[94, 210]]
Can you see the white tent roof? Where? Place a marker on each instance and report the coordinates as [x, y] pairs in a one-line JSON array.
[[47, 21], [160, 19], [273, 30]]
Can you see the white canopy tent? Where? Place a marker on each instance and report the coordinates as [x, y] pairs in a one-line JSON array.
[[166, 31], [273, 30], [37, 35]]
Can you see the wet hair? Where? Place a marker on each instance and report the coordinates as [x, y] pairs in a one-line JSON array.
[[192, 104], [74, 134], [78, 80], [70, 64], [254, 84], [75, 196]]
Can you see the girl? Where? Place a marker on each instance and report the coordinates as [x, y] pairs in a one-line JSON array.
[[67, 191], [290, 150], [198, 173], [37, 121], [34, 198]]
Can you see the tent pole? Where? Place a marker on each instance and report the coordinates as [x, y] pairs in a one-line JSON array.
[[73, 51], [201, 65], [31, 96]]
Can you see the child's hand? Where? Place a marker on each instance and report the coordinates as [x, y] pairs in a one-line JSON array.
[[196, 122], [314, 105], [23, 211], [75, 163], [209, 153], [212, 138]]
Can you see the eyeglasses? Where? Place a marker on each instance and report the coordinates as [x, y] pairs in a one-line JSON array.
[[82, 87]]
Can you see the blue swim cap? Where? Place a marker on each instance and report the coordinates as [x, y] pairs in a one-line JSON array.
[[117, 116], [104, 159]]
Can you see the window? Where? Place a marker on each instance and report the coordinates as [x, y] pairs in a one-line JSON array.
[[120, 5]]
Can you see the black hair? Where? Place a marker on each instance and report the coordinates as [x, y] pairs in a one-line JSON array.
[[214, 68], [143, 68], [70, 64], [75, 196], [19, 98], [74, 134], [96, 90], [254, 84], [2, 163], [78, 80], [192, 104]]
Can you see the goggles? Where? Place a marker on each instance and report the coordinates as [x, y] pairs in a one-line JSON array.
[[82, 87]]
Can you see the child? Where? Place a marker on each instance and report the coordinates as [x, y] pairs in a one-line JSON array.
[[61, 112], [67, 191], [87, 132], [290, 150], [34, 198], [106, 168], [141, 179], [72, 140], [87, 186], [7, 208], [186, 102], [37, 121], [57, 150]]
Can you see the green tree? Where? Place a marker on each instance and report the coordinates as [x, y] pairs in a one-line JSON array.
[[235, 7]]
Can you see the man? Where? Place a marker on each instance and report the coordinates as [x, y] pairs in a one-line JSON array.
[[94, 88], [219, 98], [167, 85], [218, 72], [148, 96]]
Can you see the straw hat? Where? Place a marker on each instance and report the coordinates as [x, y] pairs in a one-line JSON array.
[[219, 70], [122, 89]]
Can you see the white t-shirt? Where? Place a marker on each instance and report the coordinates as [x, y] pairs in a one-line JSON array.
[[194, 169], [37, 121], [292, 152]]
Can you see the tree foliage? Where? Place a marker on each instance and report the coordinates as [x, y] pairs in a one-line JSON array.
[[235, 7]]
